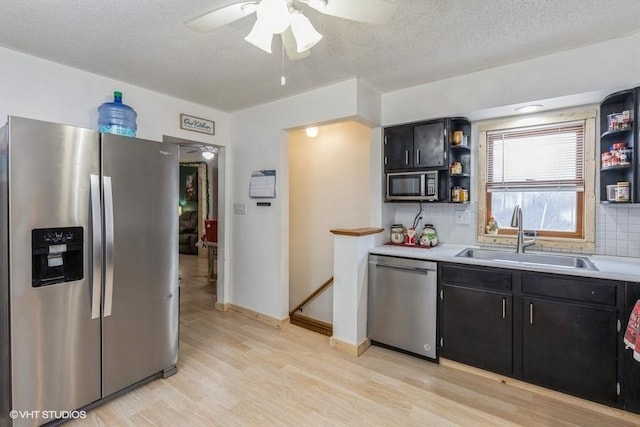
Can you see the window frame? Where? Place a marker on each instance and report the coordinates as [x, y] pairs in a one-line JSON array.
[[584, 238]]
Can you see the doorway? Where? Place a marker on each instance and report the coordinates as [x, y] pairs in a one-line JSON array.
[[201, 193], [329, 187]]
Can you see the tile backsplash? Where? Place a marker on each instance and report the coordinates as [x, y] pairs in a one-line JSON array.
[[617, 227], [618, 230], [442, 216]]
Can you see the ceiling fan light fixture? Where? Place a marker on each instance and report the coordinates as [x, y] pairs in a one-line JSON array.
[[274, 14], [249, 7], [260, 36], [208, 153], [305, 34], [317, 4]]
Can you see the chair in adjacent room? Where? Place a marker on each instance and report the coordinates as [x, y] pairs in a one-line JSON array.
[[188, 233]]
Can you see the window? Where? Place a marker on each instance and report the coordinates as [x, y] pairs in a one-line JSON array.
[[541, 164]]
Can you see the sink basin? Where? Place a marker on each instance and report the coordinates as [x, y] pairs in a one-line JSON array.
[[529, 258]]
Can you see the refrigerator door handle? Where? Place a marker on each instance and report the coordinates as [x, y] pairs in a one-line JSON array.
[[108, 240], [96, 246]]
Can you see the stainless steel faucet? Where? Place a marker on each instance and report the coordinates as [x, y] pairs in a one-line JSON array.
[[516, 221]]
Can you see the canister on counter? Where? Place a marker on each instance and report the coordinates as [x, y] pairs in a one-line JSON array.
[[397, 233]]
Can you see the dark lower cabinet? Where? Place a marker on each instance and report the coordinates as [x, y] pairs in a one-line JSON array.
[[477, 327], [570, 347], [558, 331]]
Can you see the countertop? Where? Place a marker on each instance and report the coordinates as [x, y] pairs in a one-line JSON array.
[[609, 267]]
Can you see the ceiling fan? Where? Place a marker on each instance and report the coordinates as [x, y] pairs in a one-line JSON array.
[[207, 152], [285, 17]]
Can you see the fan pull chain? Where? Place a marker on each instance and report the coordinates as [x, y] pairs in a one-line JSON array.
[[283, 79]]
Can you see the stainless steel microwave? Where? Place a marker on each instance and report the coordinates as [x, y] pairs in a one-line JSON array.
[[412, 186]]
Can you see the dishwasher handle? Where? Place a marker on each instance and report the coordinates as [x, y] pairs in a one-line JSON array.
[[397, 267]]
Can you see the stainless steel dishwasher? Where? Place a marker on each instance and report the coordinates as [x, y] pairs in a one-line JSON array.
[[402, 303]]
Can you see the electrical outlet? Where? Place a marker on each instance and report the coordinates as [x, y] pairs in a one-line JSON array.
[[462, 217]]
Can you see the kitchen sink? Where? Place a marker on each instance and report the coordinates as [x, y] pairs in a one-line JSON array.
[[567, 261]]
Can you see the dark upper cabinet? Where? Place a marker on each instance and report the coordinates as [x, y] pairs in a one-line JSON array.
[[428, 145], [398, 147], [415, 146], [442, 145]]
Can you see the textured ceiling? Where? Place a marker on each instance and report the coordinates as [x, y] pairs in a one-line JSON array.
[[145, 43]]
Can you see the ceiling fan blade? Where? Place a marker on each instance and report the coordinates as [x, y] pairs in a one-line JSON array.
[[291, 47], [369, 11], [219, 17]]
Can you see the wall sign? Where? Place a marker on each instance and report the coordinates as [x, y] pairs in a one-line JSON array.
[[197, 124]]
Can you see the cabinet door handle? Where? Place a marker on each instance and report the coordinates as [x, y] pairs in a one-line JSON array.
[[531, 313], [504, 308], [406, 157], [385, 160], [418, 156]]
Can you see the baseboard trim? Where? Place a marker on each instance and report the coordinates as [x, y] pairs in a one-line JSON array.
[[348, 348], [271, 321], [220, 306], [567, 398]]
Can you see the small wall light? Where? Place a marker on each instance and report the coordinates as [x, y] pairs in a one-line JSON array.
[[528, 108], [312, 132]]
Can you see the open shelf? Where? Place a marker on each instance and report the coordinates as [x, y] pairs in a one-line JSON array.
[[616, 167], [618, 103], [616, 132]]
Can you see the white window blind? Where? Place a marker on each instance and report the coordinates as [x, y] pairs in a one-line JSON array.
[[536, 158]]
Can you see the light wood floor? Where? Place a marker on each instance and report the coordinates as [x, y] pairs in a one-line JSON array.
[[236, 371]]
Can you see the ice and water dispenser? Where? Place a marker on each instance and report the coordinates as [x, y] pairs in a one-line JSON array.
[[56, 255]]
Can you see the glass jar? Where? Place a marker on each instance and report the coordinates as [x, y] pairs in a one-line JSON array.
[[464, 195], [456, 168], [455, 194], [622, 191]]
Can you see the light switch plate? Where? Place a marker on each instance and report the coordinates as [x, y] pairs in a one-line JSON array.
[[239, 209], [462, 217]]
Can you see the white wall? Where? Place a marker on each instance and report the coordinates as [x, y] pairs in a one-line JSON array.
[[39, 89], [328, 189], [594, 69], [566, 79], [261, 237]]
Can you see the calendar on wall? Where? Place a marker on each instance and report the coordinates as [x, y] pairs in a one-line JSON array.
[[263, 184]]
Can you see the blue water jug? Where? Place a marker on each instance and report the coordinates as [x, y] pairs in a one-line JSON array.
[[116, 117]]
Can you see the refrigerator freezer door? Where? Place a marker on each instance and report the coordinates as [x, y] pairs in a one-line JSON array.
[[55, 344], [140, 336]]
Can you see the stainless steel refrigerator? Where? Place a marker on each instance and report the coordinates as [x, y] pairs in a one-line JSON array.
[[88, 267]]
